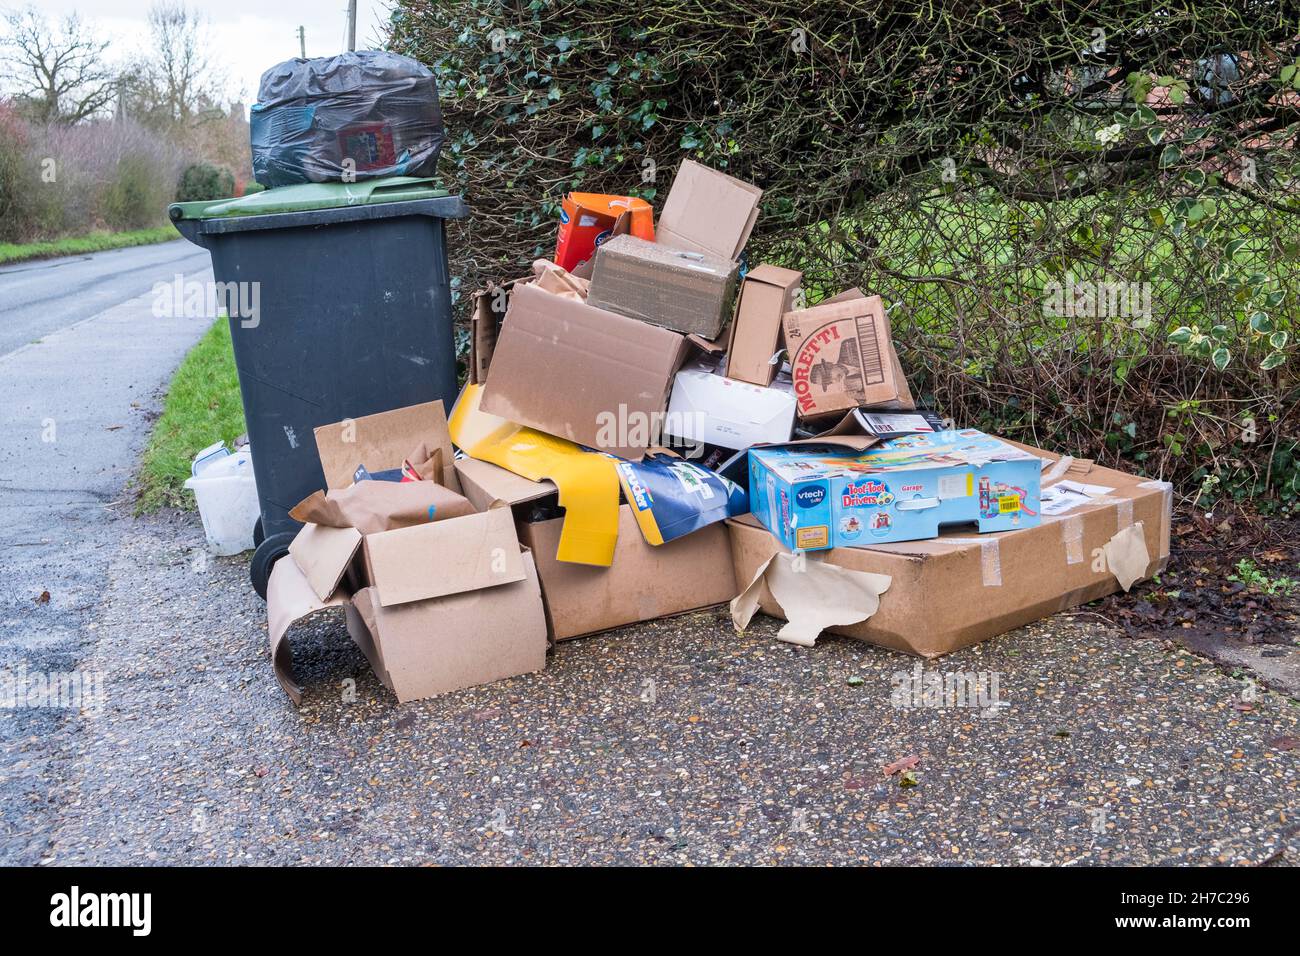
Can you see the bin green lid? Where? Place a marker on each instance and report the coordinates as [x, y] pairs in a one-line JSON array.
[[308, 196]]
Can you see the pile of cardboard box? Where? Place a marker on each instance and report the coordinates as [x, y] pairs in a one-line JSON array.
[[650, 428]]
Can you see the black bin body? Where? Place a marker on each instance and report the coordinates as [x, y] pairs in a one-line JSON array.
[[354, 318]]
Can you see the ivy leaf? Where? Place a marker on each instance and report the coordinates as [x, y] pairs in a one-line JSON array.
[[1221, 358], [1181, 335], [1170, 156], [563, 44], [1155, 134], [1278, 339], [1272, 361], [1261, 323]]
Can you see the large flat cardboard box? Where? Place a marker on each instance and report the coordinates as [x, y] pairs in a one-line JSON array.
[[644, 582], [961, 588], [435, 607], [594, 377], [677, 289], [767, 293]]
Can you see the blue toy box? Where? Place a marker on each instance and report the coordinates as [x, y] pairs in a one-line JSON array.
[[814, 497]]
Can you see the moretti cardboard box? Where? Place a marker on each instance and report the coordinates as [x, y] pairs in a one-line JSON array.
[[644, 582], [903, 489], [578, 372], [842, 357], [685, 279], [677, 289], [767, 294], [948, 592], [434, 607]]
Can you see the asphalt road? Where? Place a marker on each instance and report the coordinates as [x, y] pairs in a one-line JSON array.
[[45, 295], [82, 360]]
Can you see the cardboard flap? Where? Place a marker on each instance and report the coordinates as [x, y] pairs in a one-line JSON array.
[[290, 598], [323, 555], [382, 441], [484, 483], [708, 211], [446, 557], [569, 369]]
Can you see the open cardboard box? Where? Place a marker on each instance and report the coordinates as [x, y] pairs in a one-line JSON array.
[[643, 583], [434, 607], [945, 593], [578, 372], [766, 295], [686, 278]]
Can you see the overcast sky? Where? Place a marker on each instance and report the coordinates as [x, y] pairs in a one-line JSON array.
[[247, 36]]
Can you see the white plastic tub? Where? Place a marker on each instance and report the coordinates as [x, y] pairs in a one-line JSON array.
[[226, 493]]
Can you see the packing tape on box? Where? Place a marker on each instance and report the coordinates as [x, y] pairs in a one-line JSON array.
[[1123, 513], [813, 596], [1072, 538], [587, 480], [990, 558]]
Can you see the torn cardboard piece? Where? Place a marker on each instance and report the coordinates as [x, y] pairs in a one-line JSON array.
[[1127, 556], [290, 599], [580, 373], [813, 596], [587, 481]]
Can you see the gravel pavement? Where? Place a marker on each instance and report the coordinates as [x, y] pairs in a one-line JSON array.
[[669, 742]]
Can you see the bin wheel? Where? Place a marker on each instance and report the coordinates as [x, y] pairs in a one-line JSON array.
[[268, 552], [258, 534]]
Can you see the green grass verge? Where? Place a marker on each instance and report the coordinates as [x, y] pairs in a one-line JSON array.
[[202, 406], [80, 245]]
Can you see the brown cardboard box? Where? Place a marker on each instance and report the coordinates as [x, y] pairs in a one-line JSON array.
[[643, 583], [678, 289], [766, 294], [962, 587], [571, 370], [841, 357], [435, 607], [707, 211]]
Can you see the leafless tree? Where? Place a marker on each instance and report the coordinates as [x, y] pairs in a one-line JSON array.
[[57, 73], [181, 77]]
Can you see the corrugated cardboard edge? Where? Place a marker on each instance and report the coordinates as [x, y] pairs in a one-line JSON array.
[[323, 555], [289, 599]]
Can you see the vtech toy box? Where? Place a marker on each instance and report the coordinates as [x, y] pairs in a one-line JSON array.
[[814, 497]]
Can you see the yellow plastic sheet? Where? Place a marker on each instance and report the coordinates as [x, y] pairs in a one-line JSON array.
[[588, 481]]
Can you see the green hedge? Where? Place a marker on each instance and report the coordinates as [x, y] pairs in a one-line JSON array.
[[966, 161]]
